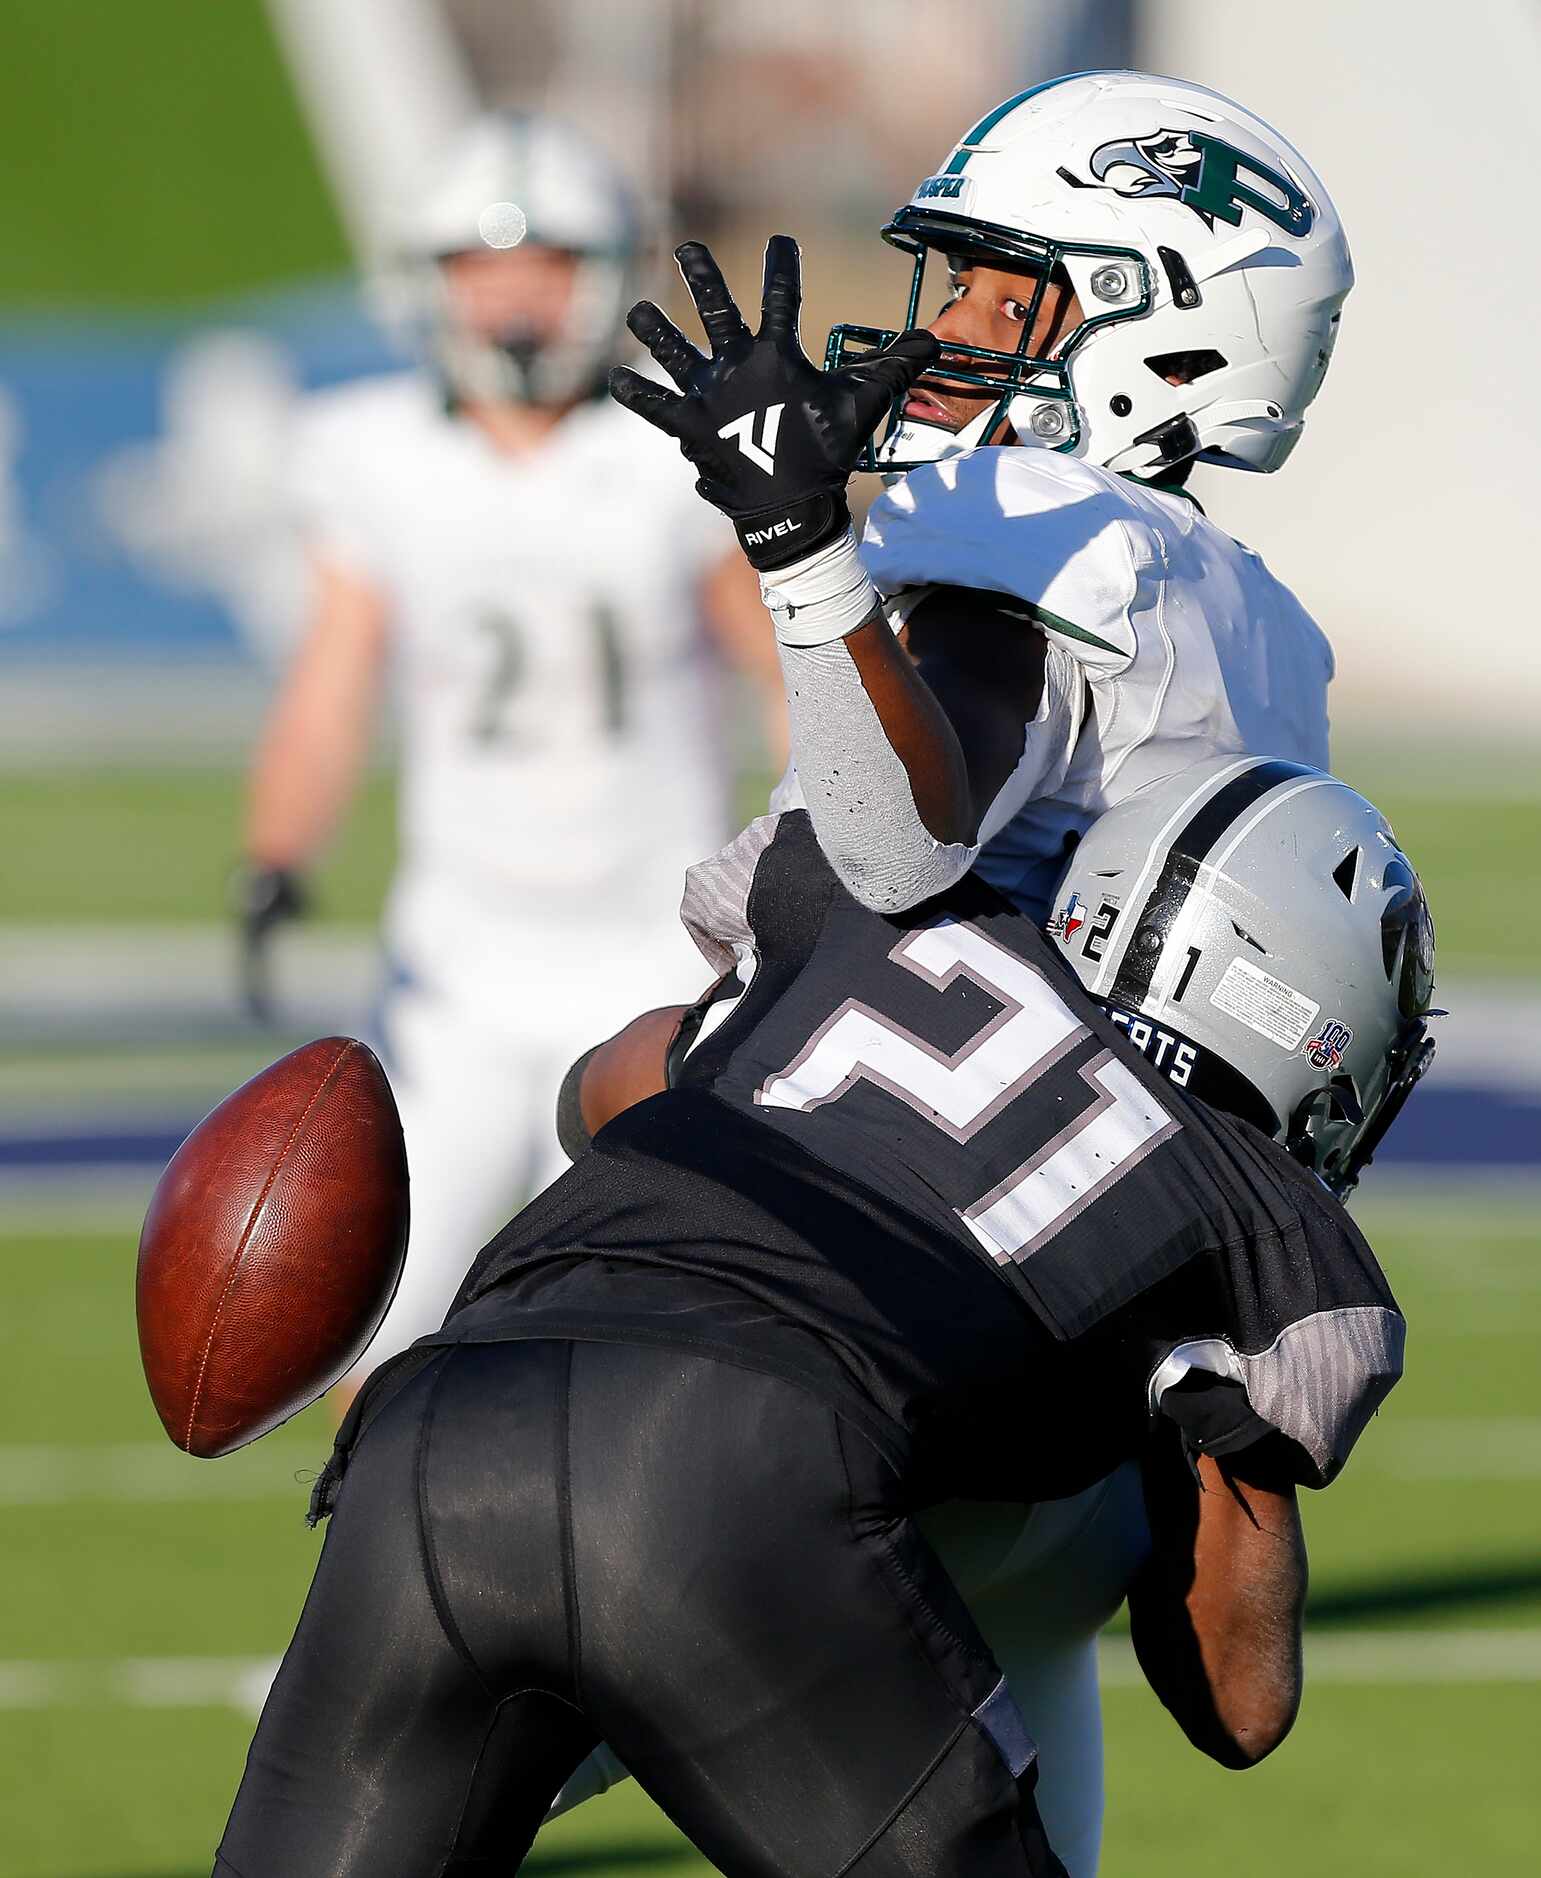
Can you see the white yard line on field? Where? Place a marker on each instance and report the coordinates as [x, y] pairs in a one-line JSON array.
[[1456, 1448], [109, 987], [1364, 1658], [150, 1471], [1385, 1656], [239, 1682], [74, 1202], [193, 1681]]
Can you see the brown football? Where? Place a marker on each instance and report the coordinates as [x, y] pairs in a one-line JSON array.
[[273, 1244]]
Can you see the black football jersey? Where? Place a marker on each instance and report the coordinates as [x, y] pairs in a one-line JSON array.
[[908, 1154]]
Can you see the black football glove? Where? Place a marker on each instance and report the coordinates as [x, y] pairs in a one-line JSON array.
[[774, 438], [264, 898]]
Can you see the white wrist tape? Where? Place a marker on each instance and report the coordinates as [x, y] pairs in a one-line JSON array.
[[820, 599], [855, 788]]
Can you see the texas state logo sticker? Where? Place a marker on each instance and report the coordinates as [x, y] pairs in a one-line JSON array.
[[1069, 920], [1325, 1049]]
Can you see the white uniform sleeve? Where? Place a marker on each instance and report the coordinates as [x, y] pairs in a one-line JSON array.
[[699, 535], [326, 493], [702, 536], [1053, 533]]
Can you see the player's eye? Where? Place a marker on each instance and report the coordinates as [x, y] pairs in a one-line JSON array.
[[1015, 310]]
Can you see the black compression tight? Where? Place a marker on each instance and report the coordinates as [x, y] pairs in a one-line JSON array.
[[539, 1545]]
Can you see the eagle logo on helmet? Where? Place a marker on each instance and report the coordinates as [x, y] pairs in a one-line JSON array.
[[1205, 174], [1158, 165]]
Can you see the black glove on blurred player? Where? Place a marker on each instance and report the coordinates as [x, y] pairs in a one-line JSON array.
[[773, 437], [264, 898]]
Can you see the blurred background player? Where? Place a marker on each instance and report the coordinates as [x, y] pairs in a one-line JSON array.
[[558, 693]]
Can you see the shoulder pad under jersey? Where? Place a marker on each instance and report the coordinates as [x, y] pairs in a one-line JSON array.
[[1065, 538]]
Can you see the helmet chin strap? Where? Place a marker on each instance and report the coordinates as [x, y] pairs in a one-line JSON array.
[[914, 441], [484, 371], [480, 370], [563, 368]]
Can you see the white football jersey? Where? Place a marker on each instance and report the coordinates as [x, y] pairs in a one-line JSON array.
[[1169, 642], [559, 708]]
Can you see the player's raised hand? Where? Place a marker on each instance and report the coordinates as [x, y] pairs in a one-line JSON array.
[[773, 438]]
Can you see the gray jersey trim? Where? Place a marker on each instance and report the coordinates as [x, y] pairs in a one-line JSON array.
[[715, 906], [1319, 1381], [1000, 1718]]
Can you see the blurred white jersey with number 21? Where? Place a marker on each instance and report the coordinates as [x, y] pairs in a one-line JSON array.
[[560, 769]]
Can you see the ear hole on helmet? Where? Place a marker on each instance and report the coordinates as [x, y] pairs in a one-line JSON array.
[[1185, 368], [1346, 873]]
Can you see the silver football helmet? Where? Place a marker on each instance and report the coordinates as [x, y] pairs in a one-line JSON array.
[[513, 178], [1254, 928]]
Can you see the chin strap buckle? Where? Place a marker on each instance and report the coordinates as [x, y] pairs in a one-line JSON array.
[[1174, 442]]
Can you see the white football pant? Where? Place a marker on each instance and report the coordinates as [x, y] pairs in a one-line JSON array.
[[476, 1048]]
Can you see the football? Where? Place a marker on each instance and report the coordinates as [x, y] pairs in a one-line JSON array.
[[272, 1247]]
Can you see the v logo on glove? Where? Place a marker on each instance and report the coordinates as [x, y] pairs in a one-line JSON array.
[[741, 430], [804, 428]]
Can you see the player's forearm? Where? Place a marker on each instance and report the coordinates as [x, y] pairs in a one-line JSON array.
[[880, 767], [316, 737], [306, 770], [1247, 1605], [918, 730], [1217, 1613]]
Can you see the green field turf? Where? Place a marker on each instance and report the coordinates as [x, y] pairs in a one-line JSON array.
[[164, 156], [123, 1560], [154, 846]]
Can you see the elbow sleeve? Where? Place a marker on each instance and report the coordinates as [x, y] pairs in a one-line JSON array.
[[857, 791]]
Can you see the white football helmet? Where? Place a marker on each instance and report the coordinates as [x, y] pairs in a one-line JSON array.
[[1256, 931], [1200, 245], [513, 178]]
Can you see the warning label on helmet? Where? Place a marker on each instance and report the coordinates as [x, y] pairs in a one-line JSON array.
[[1264, 1004]]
